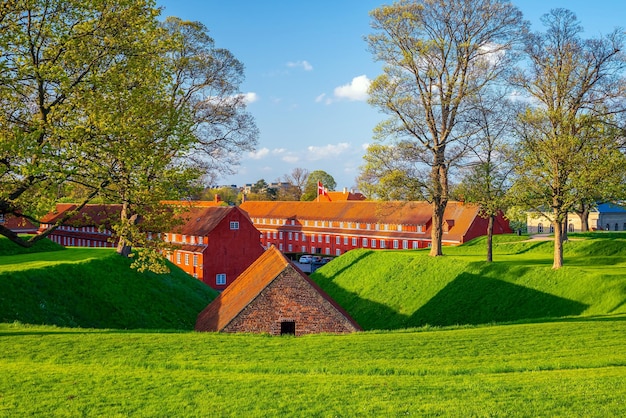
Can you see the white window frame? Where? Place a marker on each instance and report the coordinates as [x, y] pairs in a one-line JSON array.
[[220, 279], [234, 225]]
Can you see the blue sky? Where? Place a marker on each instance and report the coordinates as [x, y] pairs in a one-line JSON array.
[[307, 65]]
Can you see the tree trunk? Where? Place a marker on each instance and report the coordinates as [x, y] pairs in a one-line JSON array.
[[490, 238], [436, 232], [124, 247], [558, 241]]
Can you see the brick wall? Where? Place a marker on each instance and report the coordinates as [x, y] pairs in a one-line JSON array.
[[290, 298]]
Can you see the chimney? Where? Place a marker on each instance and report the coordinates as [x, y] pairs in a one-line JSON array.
[[345, 190]]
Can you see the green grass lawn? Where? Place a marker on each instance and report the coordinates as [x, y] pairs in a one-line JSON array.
[[568, 368], [390, 289]]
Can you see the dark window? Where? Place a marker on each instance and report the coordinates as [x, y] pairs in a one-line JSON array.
[[288, 328]]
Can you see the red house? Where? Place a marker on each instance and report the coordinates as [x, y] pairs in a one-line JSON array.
[[214, 243], [333, 227]]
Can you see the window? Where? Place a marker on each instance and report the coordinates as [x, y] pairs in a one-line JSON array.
[[177, 258], [319, 238], [354, 242], [373, 243], [327, 239], [290, 248], [337, 239], [184, 239], [540, 228], [280, 234], [405, 244], [312, 238], [220, 279], [415, 245], [395, 243], [200, 240], [337, 251], [186, 259], [303, 237], [364, 242], [192, 239], [274, 234], [234, 225], [382, 243], [297, 236], [290, 235], [345, 240], [195, 260]]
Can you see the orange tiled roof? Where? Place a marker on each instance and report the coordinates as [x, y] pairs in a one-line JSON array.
[[399, 213], [245, 288]]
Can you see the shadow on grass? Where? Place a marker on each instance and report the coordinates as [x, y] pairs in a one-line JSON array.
[[467, 300], [472, 299]]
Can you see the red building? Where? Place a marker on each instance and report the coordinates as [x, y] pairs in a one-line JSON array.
[[332, 227], [19, 225], [214, 243]]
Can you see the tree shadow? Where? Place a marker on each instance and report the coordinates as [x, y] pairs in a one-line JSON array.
[[471, 299]]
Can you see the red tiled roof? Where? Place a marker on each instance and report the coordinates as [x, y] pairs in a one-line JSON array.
[[18, 224], [202, 220], [398, 213], [89, 215], [245, 288]]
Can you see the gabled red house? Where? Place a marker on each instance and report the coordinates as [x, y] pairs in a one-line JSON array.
[[273, 296], [18, 225], [214, 243]]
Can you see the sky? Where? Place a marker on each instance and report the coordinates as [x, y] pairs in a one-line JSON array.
[[307, 69]]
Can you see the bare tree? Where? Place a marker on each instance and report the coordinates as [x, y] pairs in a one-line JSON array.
[[438, 54]]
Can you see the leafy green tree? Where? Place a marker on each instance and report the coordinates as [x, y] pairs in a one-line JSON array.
[[577, 87], [438, 55], [56, 56], [315, 177]]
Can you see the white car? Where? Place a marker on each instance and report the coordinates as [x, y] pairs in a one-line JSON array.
[[306, 259]]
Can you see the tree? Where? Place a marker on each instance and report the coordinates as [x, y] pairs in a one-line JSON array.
[[55, 56], [487, 178], [297, 179], [438, 54], [577, 87], [317, 176]]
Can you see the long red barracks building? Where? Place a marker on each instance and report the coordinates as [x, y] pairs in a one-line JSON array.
[[335, 224]]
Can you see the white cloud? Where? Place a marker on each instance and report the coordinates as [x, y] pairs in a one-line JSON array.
[[306, 66], [250, 97], [356, 90], [320, 98], [330, 150], [259, 154]]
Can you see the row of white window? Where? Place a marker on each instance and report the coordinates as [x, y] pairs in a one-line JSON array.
[[191, 239], [327, 238], [329, 224]]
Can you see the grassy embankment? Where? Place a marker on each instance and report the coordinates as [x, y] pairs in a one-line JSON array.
[[402, 289], [93, 288]]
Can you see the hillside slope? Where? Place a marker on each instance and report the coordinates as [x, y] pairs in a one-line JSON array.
[[95, 288], [402, 289]]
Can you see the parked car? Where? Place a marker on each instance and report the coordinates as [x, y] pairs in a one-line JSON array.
[[327, 260], [306, 259], [317, 259]]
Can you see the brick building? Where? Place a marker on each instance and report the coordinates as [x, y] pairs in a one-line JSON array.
[[214, 243], [334, 226], [273, 296]]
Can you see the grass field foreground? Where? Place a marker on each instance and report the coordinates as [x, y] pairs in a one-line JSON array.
[[572, 368]]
